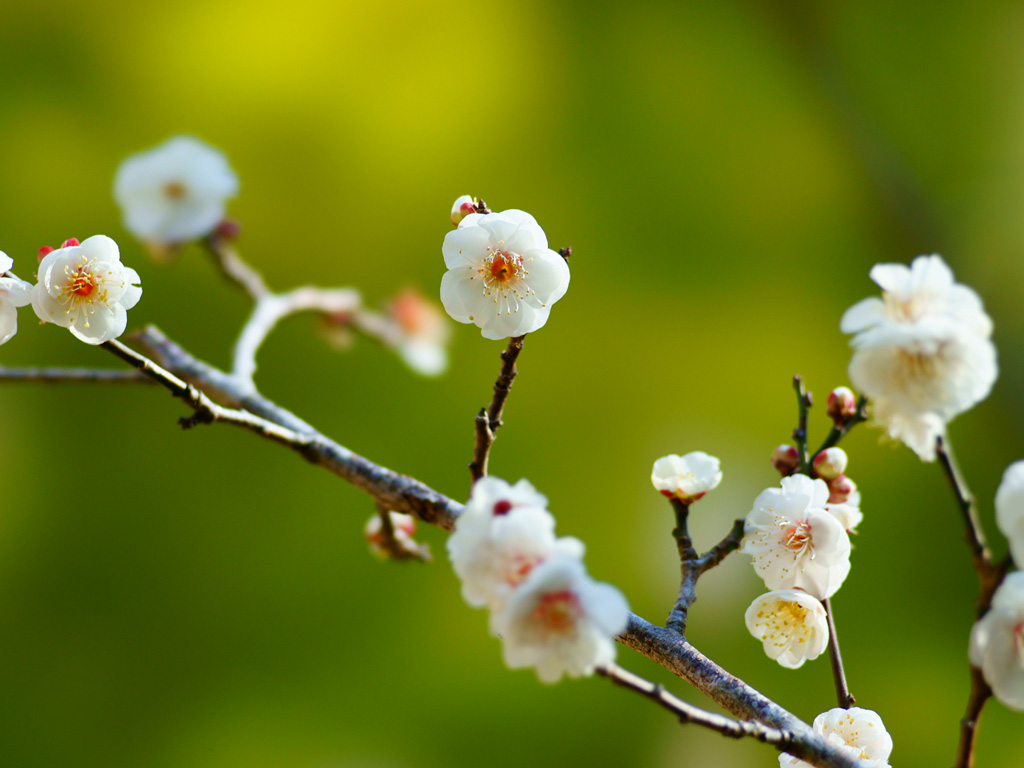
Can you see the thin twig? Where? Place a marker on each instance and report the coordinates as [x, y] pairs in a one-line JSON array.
[[843, 694], [234, 268], [980, 693], [990, 576], [717, 553], [842, 429], [489, 419], [67, 375], [804, 403]]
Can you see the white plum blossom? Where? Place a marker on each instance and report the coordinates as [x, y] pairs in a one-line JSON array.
[[560, 621], [175, 192], [686, 477], [997, 642], [922, 351], [795, 541], [1010, 510], [86, 288], [791, 624], [502, 533], [423, 333], [13, 293], [501, 274], [857, 733]]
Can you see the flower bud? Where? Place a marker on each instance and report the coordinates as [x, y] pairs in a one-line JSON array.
[[44, 252], [228, 230], [830, 463], [840, 488], [401, 545], [70, 242], [462, 208], [842, 404], [786, 460]]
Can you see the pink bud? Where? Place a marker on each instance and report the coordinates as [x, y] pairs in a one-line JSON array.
[[44, 252], [71, 241], [842, 404], [786, 460], [830, 463], [462, 208], [229, 230], [839, 489]]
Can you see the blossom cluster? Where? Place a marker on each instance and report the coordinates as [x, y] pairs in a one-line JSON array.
[[548, 612], [922, 352]]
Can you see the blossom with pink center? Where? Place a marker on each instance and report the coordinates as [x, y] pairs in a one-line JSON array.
[[997, 642], [502, 533], [856, 732], [501, 274], [560, 621], [85, 288], [13, 293], [796, 543], [791, 624]]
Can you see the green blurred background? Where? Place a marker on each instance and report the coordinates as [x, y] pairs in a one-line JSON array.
[[726, 172]]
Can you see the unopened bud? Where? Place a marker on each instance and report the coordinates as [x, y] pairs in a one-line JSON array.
[[840, 489], [229, 230], [462, 208], [830, 463], [71, 241], [842, 404], [44, 252], [786, 460]]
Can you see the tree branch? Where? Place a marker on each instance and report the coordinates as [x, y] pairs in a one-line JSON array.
[[804, 403], [404, 494], [980, 693], [67, 375], [489, 419], [234, 268]]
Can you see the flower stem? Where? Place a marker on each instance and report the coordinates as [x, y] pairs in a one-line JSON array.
[[804, 403], [489, 419], [846, 699]]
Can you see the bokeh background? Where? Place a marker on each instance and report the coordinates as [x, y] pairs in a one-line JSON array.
[[726, 172]]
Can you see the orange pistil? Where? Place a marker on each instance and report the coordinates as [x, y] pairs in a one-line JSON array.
[[796, 536], [81, 283], [504, 267], [175, 190], [557, 612]]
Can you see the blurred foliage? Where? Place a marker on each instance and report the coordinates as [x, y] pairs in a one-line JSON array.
[[726, 173]]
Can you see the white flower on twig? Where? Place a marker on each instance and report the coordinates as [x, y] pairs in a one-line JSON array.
[[795, 541], [997, 642], [86, 288], [560, 621], [686, 477], [791, 624], [175, 192], [13, 293], [501, 274], [857, 733], [922, 351]]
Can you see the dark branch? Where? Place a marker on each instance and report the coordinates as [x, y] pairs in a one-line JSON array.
[[804, 403], [67, 375], [843, 694], [980, 693], [489, 419]]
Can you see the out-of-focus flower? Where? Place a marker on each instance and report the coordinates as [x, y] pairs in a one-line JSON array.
[[87, 289], [687, 477], [830, 463], [462, 207], [997, 642], [856, 732], [404, 544], [791, 624], [501, 274], [423, 333], [922, 352], [1010, 510], [502, 533], [560, 621], [795, 542], [175, 192], [13, 293]]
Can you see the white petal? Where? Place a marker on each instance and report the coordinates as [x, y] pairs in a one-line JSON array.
[[6, 262], [462, 294], [465, 245], [8, 321], [548, 275], [102, 326]]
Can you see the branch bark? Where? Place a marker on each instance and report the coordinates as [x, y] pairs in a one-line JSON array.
[[489, 419]]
